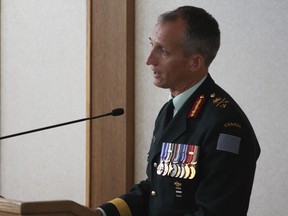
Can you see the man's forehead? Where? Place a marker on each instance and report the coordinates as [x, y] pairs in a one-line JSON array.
[[167, 29], [160, 29]]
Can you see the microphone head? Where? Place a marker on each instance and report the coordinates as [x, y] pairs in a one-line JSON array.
[[118, 111]]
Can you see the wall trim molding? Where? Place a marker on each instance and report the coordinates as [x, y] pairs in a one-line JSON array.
[[110, 165]]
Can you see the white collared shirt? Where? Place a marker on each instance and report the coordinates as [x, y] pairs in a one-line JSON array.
[[180, 99]]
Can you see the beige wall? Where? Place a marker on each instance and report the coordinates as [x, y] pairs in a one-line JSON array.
[[251, 66], [43, 82]]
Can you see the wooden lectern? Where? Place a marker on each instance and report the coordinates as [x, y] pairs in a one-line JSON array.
[[43, 208]]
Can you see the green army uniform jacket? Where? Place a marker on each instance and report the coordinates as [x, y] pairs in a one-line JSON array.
[[202, 164]]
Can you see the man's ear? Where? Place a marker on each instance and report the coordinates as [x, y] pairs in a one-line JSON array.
[[196, 62]]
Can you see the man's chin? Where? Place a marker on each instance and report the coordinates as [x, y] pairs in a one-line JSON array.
[[160, 85]]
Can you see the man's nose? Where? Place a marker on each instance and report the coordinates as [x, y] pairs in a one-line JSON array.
[[151, 60]]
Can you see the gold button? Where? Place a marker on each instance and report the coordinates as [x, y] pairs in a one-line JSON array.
[[212, 95], [153, 193], [155, 165]]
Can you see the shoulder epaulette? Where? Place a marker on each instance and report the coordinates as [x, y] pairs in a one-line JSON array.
[[219, 101]]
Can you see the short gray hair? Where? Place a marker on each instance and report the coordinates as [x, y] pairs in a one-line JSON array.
[[202, 31]]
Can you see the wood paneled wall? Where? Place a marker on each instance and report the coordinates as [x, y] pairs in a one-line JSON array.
[[110, 144]]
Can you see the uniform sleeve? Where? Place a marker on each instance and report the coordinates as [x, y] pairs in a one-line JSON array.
[[227, 166], [134, 202]]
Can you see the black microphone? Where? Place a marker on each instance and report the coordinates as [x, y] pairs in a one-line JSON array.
[[115, 112]]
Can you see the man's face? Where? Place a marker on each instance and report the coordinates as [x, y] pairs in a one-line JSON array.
[[167, 60]]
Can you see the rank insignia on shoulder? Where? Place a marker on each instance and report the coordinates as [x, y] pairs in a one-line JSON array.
[[219, 101], [197, 107]]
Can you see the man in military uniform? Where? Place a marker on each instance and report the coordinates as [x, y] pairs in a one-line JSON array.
[[202, 161]]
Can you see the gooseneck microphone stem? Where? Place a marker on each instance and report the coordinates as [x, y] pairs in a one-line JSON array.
[[115, 112]]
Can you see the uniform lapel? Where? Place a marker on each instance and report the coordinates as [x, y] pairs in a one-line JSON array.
[[178, 125]]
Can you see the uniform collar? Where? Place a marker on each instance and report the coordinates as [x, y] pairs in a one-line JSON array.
[[180, 99]]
